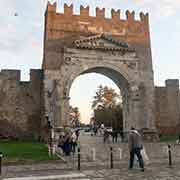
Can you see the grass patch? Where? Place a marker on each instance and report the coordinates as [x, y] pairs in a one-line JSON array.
[[168, 138], [23, 152]]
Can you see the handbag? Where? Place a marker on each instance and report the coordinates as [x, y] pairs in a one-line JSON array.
[[145, 156]]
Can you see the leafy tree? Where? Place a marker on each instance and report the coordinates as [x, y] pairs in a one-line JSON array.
[[107, 108], [74, 116], [105, 97]]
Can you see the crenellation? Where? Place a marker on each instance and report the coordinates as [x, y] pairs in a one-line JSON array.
[[51, 7], [10, 74], [100, 13], [130, 16], [115, 15], [84, 12], [144, 17], [173, 83], [60, 24], [68, 10], [35, 74]]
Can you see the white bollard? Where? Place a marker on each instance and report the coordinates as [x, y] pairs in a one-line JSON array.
[[120, 153], [165, 151], [49, 150], [94, 154], [54, 149], [52, 134]]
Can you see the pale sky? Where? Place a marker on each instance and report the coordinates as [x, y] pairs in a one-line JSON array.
[[21, 39]]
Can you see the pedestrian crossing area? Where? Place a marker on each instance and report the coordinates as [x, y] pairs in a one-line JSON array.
[[69, 176]]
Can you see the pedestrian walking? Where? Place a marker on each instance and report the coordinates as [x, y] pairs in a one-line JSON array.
[[102, 129], [135, 147], [106, 136], [77, 134], [61, 142], [114, 135], [67, 143], [74, 142]]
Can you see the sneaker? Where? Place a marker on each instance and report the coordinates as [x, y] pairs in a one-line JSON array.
[[142, 169]]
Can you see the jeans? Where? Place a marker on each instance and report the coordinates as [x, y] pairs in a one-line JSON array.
[[74, 144], [137, 152]]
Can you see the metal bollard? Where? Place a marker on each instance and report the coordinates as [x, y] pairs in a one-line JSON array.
[[1, 155], [111, 157], [170, 155], [79, 158]]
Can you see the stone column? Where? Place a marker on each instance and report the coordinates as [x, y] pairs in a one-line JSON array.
[[135, 107], [65, 111], [126, 111], [48, 92]]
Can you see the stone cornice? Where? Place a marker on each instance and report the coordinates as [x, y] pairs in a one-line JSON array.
[[119, 45]]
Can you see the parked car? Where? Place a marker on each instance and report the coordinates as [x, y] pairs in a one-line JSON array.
[[109, 129], [87, 129]]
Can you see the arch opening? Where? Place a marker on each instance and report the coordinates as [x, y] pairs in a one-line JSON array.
[[113, 80]]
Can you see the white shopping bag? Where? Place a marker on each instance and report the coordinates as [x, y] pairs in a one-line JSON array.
[[145, 156], [136, 161]]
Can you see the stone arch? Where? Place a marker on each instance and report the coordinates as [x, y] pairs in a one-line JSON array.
[[118, 75], [111, 58], [117, 78]]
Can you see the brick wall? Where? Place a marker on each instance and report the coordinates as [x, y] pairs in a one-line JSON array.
[[58, 25], [168, 107]]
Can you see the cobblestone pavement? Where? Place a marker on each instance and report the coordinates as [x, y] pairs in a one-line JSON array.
[[95, 164]]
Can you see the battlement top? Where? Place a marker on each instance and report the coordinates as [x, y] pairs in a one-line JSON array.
[[15, 74], [59, 25], [100, 13]]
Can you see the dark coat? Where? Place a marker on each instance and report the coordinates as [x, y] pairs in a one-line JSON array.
[[135, 140]]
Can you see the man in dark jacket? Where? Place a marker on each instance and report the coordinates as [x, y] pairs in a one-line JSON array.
[[135, 146]]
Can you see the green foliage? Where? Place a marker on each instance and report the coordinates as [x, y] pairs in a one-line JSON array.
[[23, 152], [75, 116], [168, 138], [107, 108], [110, 117], [105, 97]]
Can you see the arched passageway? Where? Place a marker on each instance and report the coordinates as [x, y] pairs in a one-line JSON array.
[[119, 81], [100, 55], [95, 99]]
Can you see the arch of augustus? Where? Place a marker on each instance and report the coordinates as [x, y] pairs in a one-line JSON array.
[[77, 44], [119, 49]]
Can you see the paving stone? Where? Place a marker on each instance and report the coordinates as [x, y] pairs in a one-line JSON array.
[[99, 169]]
